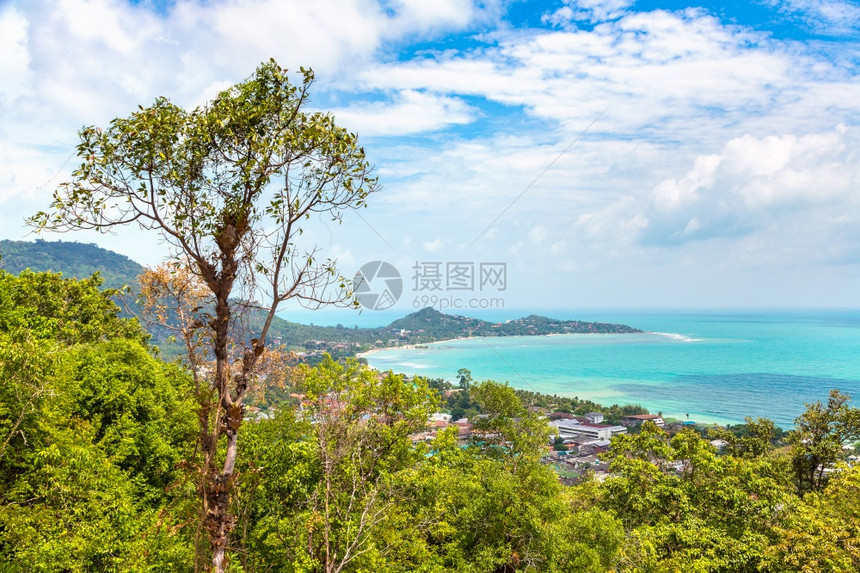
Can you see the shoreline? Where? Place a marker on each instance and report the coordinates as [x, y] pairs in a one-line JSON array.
[[703, 418], [547, 335], [367, 353]]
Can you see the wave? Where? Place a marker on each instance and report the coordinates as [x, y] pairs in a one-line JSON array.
[[678, 337], [413, 365]]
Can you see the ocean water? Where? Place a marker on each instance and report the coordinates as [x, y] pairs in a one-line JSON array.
[[715, 366]]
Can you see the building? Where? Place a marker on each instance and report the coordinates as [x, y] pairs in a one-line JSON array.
[[564, 425], [635, 420], [594, 417], [464, 429], [719, 444], [574, 429]]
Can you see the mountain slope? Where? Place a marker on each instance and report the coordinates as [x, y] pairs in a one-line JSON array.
[[74, 260]]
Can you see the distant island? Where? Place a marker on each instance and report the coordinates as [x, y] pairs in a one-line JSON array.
[[311, 342], [425, 326]]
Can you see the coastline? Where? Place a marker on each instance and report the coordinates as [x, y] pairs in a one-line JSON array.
[[584, 386], [367, 353]]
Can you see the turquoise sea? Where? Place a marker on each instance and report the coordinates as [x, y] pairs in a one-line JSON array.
[[716, 366]]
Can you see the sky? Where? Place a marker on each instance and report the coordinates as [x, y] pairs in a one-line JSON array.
[[608, 154]]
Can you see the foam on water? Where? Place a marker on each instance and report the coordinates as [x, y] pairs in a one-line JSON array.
[[413, 365], [678, 337]]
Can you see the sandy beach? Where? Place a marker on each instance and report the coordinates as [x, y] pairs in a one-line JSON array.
[[367, 353]]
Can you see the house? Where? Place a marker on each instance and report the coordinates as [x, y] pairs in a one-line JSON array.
[[594, 417], [423, 437], [594, 447], [464, 429], [635, 420], [440, 417], [719, 444]]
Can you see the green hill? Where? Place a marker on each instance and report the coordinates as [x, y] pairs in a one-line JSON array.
[[77, 260], [436, 325]]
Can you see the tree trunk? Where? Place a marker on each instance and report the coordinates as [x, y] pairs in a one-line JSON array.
[[218, 485]]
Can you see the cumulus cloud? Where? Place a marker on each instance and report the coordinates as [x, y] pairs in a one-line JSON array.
[[756, 182], [708, 134], [14, 64], [68, 63], [433, 246], [538, 234]]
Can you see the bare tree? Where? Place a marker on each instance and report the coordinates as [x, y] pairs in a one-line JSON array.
[[228, 186]]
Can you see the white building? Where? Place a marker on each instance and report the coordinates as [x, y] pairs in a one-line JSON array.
[[574, 429], [564, 426]]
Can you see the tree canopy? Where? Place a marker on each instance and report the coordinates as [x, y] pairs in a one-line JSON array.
[[93, 431], [229, 187]]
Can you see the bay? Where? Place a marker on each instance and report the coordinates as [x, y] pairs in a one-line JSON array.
[[715, 366]]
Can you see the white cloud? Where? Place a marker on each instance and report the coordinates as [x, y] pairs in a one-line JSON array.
[[593, 10], [67, 63], [537, 235], [754, 183], [433, 246], [409, 112], [652, 73], [15, 61], [831, 17], [716, 144]]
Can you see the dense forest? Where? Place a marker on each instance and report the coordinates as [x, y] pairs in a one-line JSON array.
[[73, 259], [99, 471]]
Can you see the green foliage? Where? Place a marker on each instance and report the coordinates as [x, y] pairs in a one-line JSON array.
[[818, 437], [823, 533], [92, 429], [464, 377], [333, 476], [495, 507], [72, 259], [686, 507], [50, 307], [506, 428], [337, 485], [95, 433], [751, 440]]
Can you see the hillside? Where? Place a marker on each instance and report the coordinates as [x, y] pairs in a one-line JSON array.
[[77, 260], [426, 325], [437, 325]]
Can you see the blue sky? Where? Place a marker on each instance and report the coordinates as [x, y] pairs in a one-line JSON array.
[[610, 153]]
